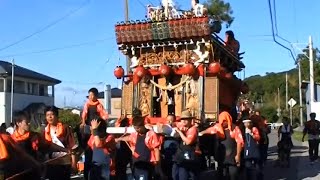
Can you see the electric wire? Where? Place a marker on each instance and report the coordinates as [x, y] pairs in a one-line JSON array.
[[47, 26], [89, 43]]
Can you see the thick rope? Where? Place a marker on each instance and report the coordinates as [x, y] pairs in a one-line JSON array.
[[170, 87]]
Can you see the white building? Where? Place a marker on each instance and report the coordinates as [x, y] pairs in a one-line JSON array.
[[32, 92]]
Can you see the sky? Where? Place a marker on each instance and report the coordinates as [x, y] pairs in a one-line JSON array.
[[81, 50]]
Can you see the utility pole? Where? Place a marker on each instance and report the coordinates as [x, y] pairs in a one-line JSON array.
[[300, 93], [286, 91], [12, 86], [311, 74], [279, 98], [300, 82], [126, 16]]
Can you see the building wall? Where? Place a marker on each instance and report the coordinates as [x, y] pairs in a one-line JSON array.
[[115, 107], [2, 108], [20, 101], [308, 102]]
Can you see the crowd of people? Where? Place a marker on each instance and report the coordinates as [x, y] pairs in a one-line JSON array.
[[237, 145]]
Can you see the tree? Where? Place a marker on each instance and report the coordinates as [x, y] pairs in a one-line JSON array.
[[266, 87], [67, 117], [220, 10]]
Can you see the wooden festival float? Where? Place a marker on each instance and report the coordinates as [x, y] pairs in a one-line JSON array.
[[177, 63]]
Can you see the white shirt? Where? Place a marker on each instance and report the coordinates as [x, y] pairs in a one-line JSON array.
[[10, 130], [56, 141]]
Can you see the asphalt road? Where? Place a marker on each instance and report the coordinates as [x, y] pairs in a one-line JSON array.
[[273, 172]]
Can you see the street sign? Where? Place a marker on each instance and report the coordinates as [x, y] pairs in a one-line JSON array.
[[292, 102]]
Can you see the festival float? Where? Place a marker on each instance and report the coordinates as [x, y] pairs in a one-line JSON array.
[[177, 62]]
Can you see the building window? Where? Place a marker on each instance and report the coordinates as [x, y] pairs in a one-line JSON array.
[[33, 88], [50, 91], [43, 90], [1, 85], [18, 87]]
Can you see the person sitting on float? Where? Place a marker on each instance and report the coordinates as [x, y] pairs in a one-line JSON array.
[[231, 43]]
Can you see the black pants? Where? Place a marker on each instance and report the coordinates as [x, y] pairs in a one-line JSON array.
[[123, 158], [228, 172], [252, 170], [142, 171], [313, 149], [99, 172], [182, 173], [58, 172]]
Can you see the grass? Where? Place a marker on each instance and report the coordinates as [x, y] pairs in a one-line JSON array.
[[297, 135]]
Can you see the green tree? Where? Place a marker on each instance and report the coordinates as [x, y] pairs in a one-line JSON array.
[[67, 117], [220, 10], [266, 87]]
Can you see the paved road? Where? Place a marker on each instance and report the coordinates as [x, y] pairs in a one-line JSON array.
[[300, 168]]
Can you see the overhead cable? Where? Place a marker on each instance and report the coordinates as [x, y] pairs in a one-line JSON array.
[[47, 26]]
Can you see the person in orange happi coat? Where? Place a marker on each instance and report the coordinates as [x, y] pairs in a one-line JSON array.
[[92, 109], [60, 134], [103, 146], [231, 145], [145, 147], [15, 163]]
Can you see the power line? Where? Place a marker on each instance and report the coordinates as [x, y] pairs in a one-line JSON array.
[[47, 26], [275, 35], [275, 16], [59, 48]]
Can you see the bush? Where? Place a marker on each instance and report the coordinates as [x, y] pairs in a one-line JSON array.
[[67, 117]]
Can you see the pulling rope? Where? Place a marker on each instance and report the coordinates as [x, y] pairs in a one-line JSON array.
[[31, 169]]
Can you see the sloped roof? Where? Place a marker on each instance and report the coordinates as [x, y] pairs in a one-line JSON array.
[[5, 70], [305, 84]]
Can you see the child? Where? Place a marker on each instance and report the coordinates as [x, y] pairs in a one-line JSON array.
[[102, 145], [92, 109]]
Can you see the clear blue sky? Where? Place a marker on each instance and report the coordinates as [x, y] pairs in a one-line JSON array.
[[82, 67]]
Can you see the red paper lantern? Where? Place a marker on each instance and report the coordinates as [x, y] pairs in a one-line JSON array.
[[118, 72], [140, 71], [164, 69], [214, 67], [188, 69], [201, 69]]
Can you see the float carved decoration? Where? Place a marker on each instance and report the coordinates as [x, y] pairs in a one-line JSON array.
[[145, 98], [192, 99], [168, 57]]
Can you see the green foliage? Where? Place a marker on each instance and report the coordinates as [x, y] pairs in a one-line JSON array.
[[297, 135], [220, 11], [270, 113], [35, 129], [67, 117], [265, 88]]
